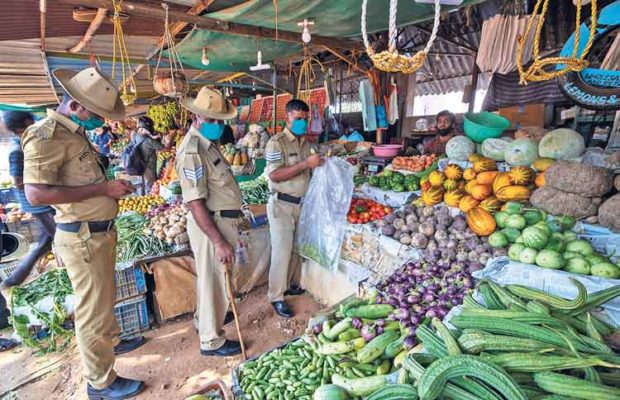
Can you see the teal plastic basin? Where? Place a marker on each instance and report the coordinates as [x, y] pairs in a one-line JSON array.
[[484, 125]]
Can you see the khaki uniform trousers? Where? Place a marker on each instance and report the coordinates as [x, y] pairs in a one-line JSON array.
[[285, 262], [212, 302], [90, 260]]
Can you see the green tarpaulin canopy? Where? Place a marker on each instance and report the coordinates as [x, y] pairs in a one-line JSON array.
[[336, 18]]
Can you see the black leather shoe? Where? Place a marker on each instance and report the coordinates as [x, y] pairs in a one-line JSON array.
[[294, 290], [230, 317], [121, 388], [229, 348], [282, 309], [125, 346]]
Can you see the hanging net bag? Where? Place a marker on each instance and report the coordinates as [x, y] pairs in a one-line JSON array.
[[119, 52], [390, 60], [536, 71], [171, 81]]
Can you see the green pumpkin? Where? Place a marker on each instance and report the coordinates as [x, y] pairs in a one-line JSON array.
[[330, 392], [535, 238]]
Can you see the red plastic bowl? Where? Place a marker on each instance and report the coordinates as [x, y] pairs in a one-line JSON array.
[[386, 150]]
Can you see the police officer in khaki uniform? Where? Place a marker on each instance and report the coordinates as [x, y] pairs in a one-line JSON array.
[[289, 163], [61, 168], [214, 200]]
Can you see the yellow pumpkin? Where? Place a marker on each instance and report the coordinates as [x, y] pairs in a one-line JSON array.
[[436, 178], [432, 196], [491, 204], [485, 165], [486, 177], [481, 222], [453, 171], [469, 174], [513, 193], [450, 184], [468, 203], [502, 179], [473, 157], [540, 179], [470, 185], [453, 197], [481, 192], [522, 175], [543, 164]]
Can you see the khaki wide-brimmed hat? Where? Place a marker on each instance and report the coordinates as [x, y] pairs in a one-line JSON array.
[[93, 90], [210, 103]]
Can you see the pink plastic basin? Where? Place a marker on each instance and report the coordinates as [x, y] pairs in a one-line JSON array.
[[386, 150]]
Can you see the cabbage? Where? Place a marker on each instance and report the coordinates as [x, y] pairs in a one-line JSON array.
[[521, 152], [577, 265], [498, 239], [515, 250], [562, 144], [550, 259], [581, 246], [459, 148], [516, 221], [494, 148], [528, 256], [535, 238], [605, 270], [511, 234]]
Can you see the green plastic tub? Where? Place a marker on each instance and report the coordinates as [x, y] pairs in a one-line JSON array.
[[484, 125]]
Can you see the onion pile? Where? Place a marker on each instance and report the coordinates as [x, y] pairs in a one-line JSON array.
[[421, 290]]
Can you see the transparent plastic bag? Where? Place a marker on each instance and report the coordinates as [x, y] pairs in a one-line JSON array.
[[323, 219]]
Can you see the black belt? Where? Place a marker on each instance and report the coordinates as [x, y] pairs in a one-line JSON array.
[[227, 213], [288, 198], [93, 227]]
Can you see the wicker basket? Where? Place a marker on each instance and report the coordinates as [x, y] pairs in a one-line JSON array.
[[170, 84]]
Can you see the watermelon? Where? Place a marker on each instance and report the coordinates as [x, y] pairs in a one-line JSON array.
[[494, 148], [459, 148], [521, 152], [562, 144]]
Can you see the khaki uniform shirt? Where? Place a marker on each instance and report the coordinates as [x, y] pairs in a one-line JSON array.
[[283, 150], [57, 152], [205, 174]]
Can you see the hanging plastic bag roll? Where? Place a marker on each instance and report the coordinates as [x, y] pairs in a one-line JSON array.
[[323, 219]]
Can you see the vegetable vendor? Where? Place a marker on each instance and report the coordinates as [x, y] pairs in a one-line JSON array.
[[148, 142], [61, 168], [349, 133], [445, 131], [214, 200], [17, 122], [289, 163]]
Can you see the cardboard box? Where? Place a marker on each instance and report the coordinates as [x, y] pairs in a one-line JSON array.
[[529, 115]]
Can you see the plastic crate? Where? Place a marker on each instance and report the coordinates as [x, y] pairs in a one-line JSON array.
[[132, 316], [130, 282]]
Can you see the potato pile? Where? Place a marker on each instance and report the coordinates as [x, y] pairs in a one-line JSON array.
[[170, 226]]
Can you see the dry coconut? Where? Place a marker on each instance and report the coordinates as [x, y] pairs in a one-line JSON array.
[[617, 182], [557, 202], [581, 179], [609, 213]]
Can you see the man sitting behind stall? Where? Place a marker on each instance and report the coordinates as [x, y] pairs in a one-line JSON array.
[[349, 133], [445, 132]]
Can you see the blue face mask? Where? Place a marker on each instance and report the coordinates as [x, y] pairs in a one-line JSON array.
[[299, 127], [212, 130], [93, 122]]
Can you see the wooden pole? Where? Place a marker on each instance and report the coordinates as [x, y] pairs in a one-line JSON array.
[[42, 16], [474, 84], [274, 112], [102, 14], [156, 12]]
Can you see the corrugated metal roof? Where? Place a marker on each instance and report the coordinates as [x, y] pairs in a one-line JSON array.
[[23, 76], [19, 19]]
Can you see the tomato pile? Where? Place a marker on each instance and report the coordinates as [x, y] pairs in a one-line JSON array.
[[363, 211]]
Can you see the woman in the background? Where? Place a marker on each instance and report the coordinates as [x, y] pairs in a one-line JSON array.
[[103, 140], [445, 131], [148, 142], [349, 133]]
